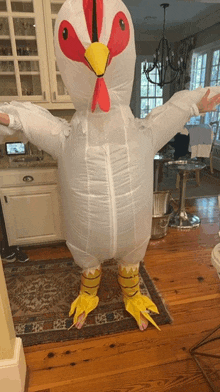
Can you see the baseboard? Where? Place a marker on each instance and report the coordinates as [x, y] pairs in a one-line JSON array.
[[13, 371]]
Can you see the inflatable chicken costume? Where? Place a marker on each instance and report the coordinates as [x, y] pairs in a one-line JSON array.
[[105, 155]]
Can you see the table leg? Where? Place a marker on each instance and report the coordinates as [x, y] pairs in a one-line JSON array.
[[156, 175], [183, 179], [181, 219], [198, 177]]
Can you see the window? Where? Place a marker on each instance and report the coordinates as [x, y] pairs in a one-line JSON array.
[[205, 71], [215, 70], [151, 95], [199, 62]]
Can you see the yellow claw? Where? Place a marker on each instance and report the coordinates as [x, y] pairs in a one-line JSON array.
[[137, 305], [83, 303]]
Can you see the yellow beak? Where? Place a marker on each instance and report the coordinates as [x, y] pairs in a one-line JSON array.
[[97, 56]]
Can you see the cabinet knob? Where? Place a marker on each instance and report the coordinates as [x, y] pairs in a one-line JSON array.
[[28, 178]]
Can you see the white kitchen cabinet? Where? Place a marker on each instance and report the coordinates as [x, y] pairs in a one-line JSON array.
[[27, 60], [32, 211]]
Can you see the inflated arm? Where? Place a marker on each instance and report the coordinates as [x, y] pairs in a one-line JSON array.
[[38, 124], [169, 119]]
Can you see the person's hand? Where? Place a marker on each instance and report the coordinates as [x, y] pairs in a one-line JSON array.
[[208, 104], [4, 119]]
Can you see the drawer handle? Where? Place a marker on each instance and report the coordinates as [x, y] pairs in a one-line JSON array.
[[28, 178]]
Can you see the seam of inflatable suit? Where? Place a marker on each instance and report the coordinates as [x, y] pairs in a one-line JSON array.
[[112, 200], [87, 171], [131, 191]]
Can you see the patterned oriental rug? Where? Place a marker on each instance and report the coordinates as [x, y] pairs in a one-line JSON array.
[[41, 292]]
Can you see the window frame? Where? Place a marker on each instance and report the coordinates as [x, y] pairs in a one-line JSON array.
[[209, 49]]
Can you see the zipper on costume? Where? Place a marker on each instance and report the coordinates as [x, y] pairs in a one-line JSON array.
[[112, 200]]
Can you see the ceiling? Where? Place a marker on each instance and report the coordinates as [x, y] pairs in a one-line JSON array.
[[183, 18]]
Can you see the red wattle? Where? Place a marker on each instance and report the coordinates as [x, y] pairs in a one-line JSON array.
[[101, 96]]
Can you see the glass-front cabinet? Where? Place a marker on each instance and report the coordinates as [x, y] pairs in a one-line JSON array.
[[28, 69], [59, 93]]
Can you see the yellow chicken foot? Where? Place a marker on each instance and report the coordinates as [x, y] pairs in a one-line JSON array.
[[136, 304], [87, 299]]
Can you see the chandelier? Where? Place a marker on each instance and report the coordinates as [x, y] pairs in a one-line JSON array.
[[163, 61]]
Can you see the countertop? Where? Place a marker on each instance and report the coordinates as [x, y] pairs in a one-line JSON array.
[[7, 163]]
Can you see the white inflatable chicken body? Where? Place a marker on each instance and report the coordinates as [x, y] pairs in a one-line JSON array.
[[105, 155]]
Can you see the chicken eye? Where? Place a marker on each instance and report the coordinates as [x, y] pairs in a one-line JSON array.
[[122, 24], [65, 33]]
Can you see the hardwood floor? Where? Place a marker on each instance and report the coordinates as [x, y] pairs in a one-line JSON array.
[[151, 361]]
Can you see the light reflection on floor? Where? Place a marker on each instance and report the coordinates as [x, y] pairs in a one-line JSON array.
[[206, 206]]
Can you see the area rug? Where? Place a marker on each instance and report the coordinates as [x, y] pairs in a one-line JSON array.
[[41, 292], [209, 184]]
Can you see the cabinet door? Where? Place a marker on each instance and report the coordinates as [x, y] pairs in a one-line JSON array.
[[23, 59], [59, 92], [32, 214]]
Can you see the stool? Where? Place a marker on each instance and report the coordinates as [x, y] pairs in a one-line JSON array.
[[181, 219], [195, 351]]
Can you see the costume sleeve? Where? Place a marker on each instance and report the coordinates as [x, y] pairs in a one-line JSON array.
[[39, 126], [167, 120]]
